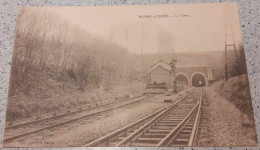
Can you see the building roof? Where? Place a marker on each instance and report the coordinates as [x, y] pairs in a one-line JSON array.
[[160, 61], [162, 64], [159, 67]]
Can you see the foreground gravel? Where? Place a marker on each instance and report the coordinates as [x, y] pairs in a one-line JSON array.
[[223, 124]]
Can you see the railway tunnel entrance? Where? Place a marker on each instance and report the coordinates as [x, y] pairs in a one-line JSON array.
[[181, 82], [198, 80], [180, 76]]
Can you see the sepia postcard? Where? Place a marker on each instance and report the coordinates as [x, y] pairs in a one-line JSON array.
[[129, 76]]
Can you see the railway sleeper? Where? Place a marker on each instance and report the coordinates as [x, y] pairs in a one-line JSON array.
[[180, 113], [116, 140], [179, 119], [185, 131], [166, 124], [181, 135], [153, 135], [137, 144], [176, 114], [170, 119], [189, 125], [192, 120], [175, 117], [148, 140], [161, 127], [112, 143], [159, 131], [170, 122], [181, 141], [178, 145]]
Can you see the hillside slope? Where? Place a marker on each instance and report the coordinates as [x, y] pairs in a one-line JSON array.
[[236, 90], [51, 96]]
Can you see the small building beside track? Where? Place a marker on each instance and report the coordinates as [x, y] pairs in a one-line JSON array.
[[161, 73]]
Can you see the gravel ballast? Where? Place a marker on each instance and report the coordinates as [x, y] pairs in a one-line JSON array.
[[79, 134], [223, 124]]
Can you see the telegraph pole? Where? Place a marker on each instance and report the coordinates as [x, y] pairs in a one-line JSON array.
[[229, 35], [226, 76]]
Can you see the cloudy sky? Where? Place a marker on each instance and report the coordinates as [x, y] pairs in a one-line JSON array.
[[187, 27]]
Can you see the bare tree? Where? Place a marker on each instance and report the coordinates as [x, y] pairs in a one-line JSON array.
[[57, 43], [98, 73], [43, 40], [84, 71], [26, 45]]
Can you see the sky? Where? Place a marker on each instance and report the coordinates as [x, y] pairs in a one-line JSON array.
[[183, 27]]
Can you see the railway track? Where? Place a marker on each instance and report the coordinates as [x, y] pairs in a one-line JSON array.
[[26, 121], [32, 127], [175, 125]]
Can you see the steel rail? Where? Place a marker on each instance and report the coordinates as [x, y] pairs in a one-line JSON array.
[[127, 139], [51, 116], [178, 128], [168, 138], [196, 123], [116, 133], [122, 130], [8, 139]]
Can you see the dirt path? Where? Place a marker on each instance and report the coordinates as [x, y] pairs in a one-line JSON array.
[[223, 124]]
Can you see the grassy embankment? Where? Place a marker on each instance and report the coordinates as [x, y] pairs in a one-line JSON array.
[[236, 90], [52, 96]]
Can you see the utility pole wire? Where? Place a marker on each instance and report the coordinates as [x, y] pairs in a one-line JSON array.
[[226, 76]]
